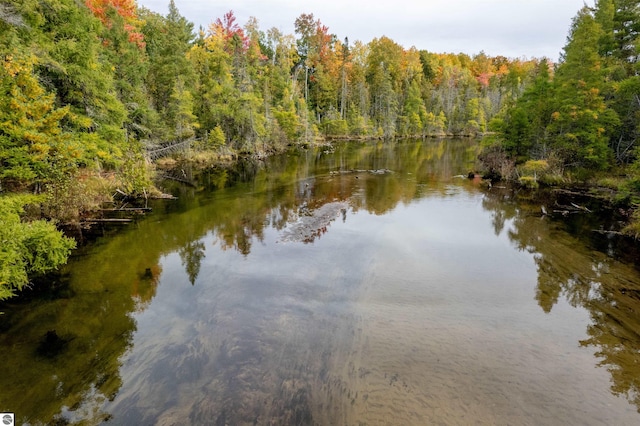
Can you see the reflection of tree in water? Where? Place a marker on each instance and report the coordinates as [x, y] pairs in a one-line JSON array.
[[375, 177], [239, 228], [192, 255], [62, 352], [615, 332], [62, 348], [607, 288]]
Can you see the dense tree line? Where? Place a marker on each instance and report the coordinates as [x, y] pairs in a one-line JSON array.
[[87, 86], [583, 115]]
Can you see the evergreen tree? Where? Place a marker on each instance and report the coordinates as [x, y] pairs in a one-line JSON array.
[[626, 32], [526, 123], [581, 124], [625, 81], [180, 111], [168, 39], [605, 11]]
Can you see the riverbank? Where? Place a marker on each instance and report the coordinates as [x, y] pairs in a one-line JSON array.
[[618, 188], [558, 195], [419, 287], [104, 208], [595, 210], [570, 193]]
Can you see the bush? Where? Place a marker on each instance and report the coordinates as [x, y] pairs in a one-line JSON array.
[[528, 182], [68, 197], [535, 172], [633, 227], [549, 179], [135, 175], [336, 127], [358, 126], [495, 161], [27, 248], [217, 137]]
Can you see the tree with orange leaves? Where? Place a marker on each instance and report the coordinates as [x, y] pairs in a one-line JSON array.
[[127, 9], [230, 32]]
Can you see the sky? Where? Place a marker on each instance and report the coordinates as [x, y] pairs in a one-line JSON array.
[[511, 28]]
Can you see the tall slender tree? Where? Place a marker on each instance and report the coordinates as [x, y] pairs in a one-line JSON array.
[[582, 123]]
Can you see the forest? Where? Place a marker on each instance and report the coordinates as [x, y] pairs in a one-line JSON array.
[[89, 88], [582, 116]]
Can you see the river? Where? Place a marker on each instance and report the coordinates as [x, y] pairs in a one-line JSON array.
[[365, 284]]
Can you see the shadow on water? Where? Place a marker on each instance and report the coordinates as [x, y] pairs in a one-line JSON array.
[[209, 311]]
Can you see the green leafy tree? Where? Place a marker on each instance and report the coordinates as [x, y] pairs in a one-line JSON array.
[[627, 106], [358, 95], [317, 59], [285, 115], [384, 73], [72, 64], [216, 137], [605, 11], [129, 62], [414, 114], [213, 84], [622, 45]]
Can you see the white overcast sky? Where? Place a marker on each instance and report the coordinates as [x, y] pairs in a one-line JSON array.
[[512, 28]]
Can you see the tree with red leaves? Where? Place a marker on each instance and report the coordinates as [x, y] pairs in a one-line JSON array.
[[233, 35], [126, 9]]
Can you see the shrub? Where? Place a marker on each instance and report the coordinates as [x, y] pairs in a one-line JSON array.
[[336, 127], [528, 182], [27, 248]]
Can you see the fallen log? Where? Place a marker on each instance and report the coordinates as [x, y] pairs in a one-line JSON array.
[[127, 209], [574, 208], [583, 208], [111, 220], [603, 232]]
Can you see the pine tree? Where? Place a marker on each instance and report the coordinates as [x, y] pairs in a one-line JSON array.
[[626, 33], [526, 123], [581, 124], [168, 39], [180, 114], [605, 11]]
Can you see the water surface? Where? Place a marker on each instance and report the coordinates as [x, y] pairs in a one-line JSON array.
[[363, 285]]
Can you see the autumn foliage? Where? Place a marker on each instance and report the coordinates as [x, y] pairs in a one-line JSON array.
[[89, 87], [230, 32], [126, 9]]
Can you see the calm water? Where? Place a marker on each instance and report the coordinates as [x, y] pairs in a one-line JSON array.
[[362, 286]]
